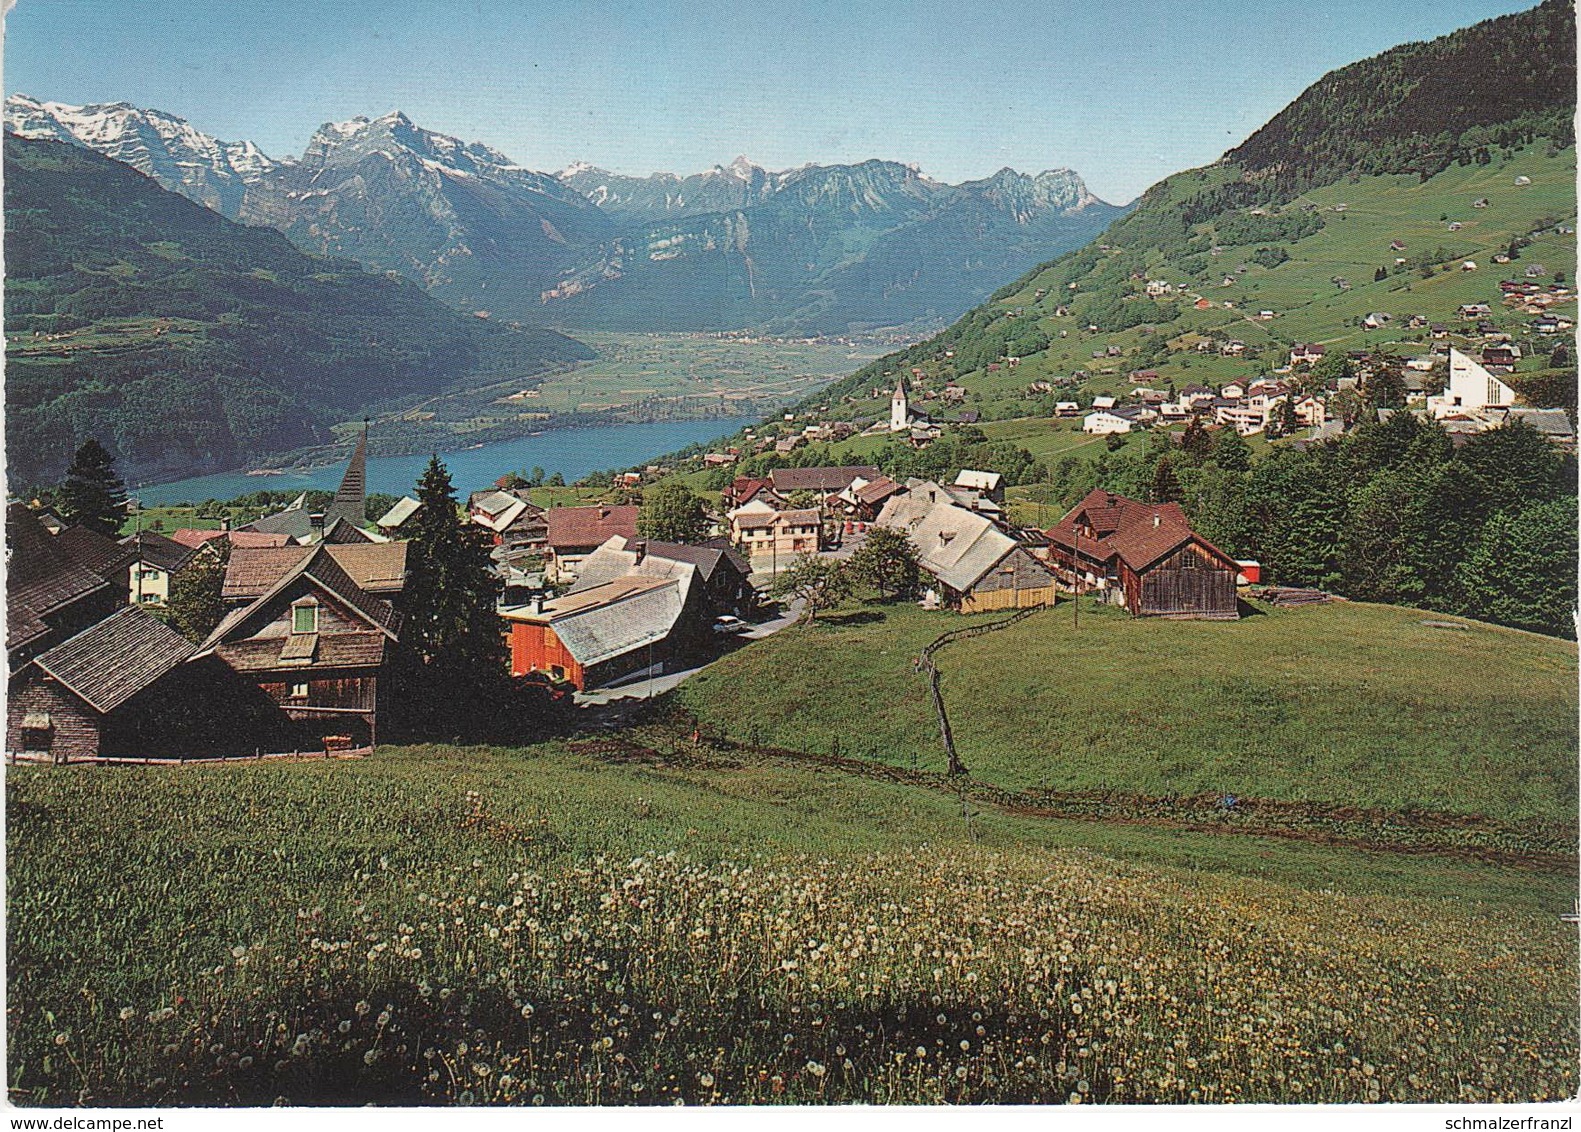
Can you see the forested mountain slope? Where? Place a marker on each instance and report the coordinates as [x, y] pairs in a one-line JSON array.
[[186, 342]]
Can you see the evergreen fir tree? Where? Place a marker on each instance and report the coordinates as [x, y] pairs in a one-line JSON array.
[[93, 496], [1195, 441], [449, 603], [1166, 486]]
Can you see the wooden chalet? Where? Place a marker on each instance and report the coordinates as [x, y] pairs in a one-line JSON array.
[[310, 637], [1143, 556]]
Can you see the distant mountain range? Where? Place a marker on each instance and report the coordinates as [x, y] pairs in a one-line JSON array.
[[187, 343], [815, 249]]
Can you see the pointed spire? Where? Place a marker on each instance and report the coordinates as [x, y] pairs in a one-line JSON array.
[[351, 501]]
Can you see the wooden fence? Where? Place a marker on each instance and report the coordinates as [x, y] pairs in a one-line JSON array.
[[925, 662]]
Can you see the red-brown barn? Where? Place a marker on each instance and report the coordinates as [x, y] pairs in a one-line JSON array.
[[1144, 556]]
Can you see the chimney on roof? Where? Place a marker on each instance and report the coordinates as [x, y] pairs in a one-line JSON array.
[[1155, 520], [317, 521], [225, 523], [603, 512], [1110, 498], [535, 605]]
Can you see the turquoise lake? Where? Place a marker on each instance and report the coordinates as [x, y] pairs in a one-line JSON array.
[[573, 452]]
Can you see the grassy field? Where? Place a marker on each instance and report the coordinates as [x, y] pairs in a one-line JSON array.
[[1344, 704], [575, 923]]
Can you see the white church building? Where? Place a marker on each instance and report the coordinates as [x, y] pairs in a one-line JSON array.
[[1471, 389], [899, 407]]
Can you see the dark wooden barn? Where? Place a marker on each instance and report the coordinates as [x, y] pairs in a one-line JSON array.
[[1145, 557]]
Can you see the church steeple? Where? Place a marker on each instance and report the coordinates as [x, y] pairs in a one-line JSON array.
[[351, 501], [899, 407]]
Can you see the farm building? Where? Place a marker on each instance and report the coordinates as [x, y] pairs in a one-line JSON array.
[[84, 693], [595, 635], [1145, 557], [974, 565]]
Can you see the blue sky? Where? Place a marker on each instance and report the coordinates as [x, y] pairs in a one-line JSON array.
[[1123, 93]]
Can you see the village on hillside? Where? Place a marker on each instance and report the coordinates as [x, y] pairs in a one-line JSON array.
[[307, 649]]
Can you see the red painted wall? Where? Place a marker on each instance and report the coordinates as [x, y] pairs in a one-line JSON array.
[[536, 648]]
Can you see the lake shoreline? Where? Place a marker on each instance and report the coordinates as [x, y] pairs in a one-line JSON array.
[[573, 452]]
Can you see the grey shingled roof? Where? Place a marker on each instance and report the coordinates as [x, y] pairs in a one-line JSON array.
[[109, 663], [958, 546]]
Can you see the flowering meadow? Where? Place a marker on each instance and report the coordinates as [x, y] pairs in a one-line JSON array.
[[452, 927]]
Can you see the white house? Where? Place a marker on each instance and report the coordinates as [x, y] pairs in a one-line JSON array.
[[1470, 388], [1104, 422]]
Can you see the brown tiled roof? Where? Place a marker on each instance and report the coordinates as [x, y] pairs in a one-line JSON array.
[[193, 537], [110, 662], [253, 569], [573, 527], [879, 490], [93, 551], [826, 480], [157, 550]]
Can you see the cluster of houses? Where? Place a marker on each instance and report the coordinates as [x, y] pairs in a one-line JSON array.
[[1474, 398], [1246, 406], [975, 560]]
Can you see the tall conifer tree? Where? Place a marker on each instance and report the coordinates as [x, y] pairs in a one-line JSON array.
[[449, 604], [93, 496]]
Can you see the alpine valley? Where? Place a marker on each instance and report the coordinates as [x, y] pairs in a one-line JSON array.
[[815, 250]]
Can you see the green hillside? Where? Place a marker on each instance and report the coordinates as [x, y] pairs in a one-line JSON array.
[[1344, 704], [186, 342], [632, 921], [1372, 153]]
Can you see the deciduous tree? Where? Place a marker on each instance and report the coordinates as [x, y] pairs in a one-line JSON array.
[[886, 563], [670, 512], [819, 584]]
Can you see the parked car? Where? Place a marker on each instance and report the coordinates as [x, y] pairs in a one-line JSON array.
[[556, 691], [729, 624]]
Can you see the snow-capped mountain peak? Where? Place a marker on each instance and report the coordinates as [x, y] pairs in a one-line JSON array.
[[167, 148]]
